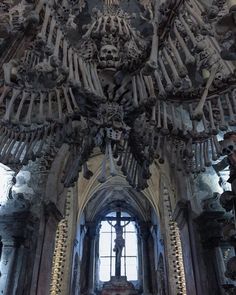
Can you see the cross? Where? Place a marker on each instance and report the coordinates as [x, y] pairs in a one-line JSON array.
[[119, 241]]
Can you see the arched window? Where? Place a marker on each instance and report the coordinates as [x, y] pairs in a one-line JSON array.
[[118, 249]]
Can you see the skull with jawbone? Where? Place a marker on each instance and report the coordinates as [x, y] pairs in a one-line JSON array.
[[109, 57]]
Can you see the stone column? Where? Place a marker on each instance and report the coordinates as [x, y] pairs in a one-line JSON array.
[[8, 265], [144, 234], [92, 232]]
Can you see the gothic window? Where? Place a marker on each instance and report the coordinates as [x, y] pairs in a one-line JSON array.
[[118, 251]]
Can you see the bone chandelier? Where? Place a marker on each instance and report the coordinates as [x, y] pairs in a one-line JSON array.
[[141, 85]]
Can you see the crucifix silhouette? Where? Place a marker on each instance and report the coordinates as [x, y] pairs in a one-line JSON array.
[[119, 240]]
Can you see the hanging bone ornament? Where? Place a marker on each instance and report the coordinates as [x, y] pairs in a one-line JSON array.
[[198, 112], [189, 58], [181, 67], [139, 87]]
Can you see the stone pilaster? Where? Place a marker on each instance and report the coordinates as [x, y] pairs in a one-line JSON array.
[[144, 235], [92, 231]]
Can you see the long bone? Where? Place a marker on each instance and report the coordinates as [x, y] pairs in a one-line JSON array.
[[234, 99], [76, 67], [153, 118], [65, 54], [59, 104], [159, 125], [89, 77], [140, 90], [83, 72], [188, 31], [126, 158], [44, 134], [180, 65], [128, 168], [172, 154], [165, 130], [183, 126], [105, 19], [112, 24], [135, 93], [4, 136], [19, 143], [88, 33], [30, 109], [51, 30], [123, 151], [134, 174], [189, 58], [223, 125], [213, 151], [67, 99], [99, 23], [214, 130], [102, 177], [206, 154], [177, 80], [232, 120], [98, 79], [144, 89], [198, 112], [126, 29], [196, 16], [30, 152], [151, 64], [205, 125], [29, 147], [71, 69], [76, 107], [169, 85], [189, 149], [201, 153], [161, 91], [39, 6], [196, 169], [50, 98], [120, 31], [180, 148], [111, 161], [162, 142], [15, 93], [150, 87], [19, 110], [41, 117], [45, 23], [95, 80], [4, 94], [22, 147], [10, 139], [217, 145], [57, 44], [175, 129]]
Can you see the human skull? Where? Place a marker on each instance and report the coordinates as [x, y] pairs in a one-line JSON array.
[[228, 146], [109, 57], [227, 200]]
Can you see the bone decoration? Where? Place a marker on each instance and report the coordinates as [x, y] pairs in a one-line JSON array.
[[121, 80]]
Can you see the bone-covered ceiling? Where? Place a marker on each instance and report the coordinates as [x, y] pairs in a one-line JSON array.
[[141, 80]]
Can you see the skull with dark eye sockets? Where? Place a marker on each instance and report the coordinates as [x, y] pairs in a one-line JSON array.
[[109, 57]]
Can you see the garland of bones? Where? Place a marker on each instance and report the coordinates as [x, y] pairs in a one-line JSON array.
[[164, 97]]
